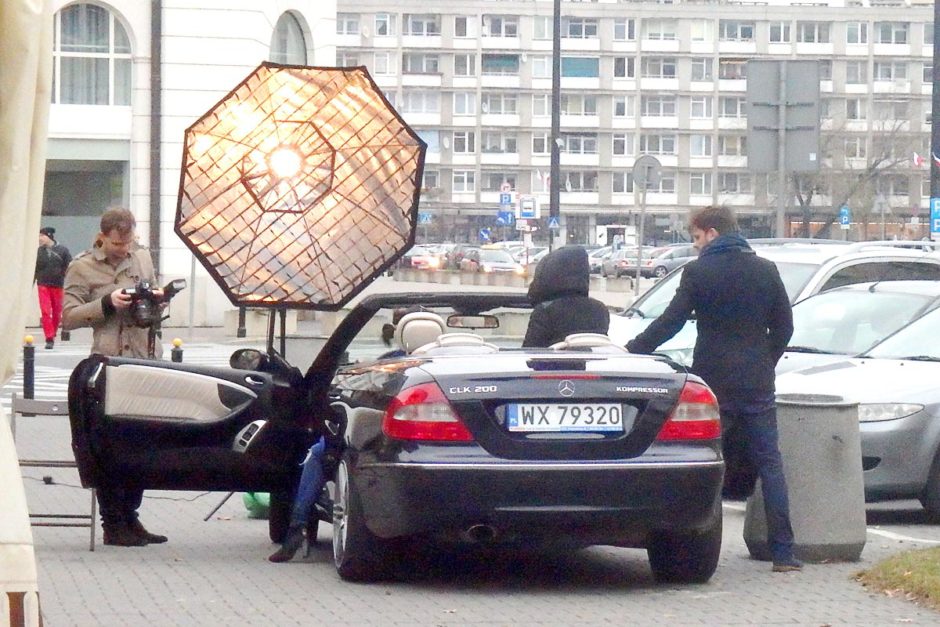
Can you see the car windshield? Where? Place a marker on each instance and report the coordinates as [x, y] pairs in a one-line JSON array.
[[918, 340], [851, 321], [491, 255], [655, 301]]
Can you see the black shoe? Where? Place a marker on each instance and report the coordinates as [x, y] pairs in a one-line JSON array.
[[292, 544], [787, 565], [150, 538], [50, 344], [121, 535]]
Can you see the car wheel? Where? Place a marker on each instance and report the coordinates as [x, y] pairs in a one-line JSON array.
[[685, 557], [659, 272], [930, 498], [279, 515], [357, 553]]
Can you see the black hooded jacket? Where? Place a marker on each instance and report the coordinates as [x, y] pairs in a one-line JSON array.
[[559, 291], [51, 264]]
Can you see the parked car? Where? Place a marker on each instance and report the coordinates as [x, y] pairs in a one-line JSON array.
[[489, 260], [455, 254], [525, 255], [423, 257], [805, 269], [459, 441], [659, 262], [622, 262], [596, 258], [848, 320], [895, 384]]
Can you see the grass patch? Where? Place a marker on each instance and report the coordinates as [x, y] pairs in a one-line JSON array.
[[914, 575]]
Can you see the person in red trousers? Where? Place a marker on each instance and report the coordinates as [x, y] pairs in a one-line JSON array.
[[52, 261]]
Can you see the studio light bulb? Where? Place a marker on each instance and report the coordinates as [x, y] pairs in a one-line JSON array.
[[284, 162]]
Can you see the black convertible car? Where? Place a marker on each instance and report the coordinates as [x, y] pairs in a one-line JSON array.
[[460, 436]]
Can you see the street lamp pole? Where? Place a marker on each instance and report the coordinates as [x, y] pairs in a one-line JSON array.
[[935, 107], [554, 181]]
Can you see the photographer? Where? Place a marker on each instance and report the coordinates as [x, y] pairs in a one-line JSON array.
[[95, 296]]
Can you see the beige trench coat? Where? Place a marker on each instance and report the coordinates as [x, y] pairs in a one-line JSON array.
[[88, 279]]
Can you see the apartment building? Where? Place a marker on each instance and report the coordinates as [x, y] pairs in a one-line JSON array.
[[657, 78]]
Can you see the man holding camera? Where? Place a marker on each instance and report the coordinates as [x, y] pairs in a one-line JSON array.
[[96, 296]]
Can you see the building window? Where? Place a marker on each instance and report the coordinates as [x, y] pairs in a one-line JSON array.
[[732, 145], [432, 138], [494, 181], [500, 64], [416, 101], [460, 26], [578, 105], [855, 148], [382, 63], [422, 25], [347, 23], [928, 34], [702, 70], [419, 63], [658, 106], [624, 106], [541, 66], [623, 182], [500, 26], [464, 142], [542, 27], [856, 33], [385, 25], [580, 67], [656, 144], [465, 103], [700, 107], [464, 181], [825, 69], [623, 145], [540, 143], [700, 183], [624, 67], [780, 32], [624, 30], [889, 109], [889, 70], [891, 32], [856, 72], [347, 58], [579, 181], [540, 105], [732, 69], [734, 183], [659, 67], [700, 145], [813, 32], [465, 64], [92, 57], [499, 143], [579, 143], [856, 109], [732, 107], [578, 28], [667, 183], [499, 103], [735, 30], [287, 43], [928, 73], [701, 30], [431, 179], [659, 29]]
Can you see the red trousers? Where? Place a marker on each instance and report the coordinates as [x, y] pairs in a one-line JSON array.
[[50, 304]]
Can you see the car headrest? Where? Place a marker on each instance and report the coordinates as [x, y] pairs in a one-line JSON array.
[[587, 340], [417, 329]]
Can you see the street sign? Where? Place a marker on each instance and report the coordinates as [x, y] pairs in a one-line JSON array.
[[525, 226], [646, 172], [553, 223], [935, 219], [845, 217], [505, 199], [505, 218], [528, 208], [505, 187], [484, 235], [425, 217]]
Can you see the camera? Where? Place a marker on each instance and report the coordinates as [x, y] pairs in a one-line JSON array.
[[145, 308]]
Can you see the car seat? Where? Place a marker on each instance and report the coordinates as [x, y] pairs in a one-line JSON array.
[[417, 329]]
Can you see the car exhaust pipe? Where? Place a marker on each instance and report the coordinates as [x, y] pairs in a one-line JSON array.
[[481, 533]]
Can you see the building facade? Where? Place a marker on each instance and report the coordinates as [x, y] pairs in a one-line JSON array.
[[129, 78], [666, 79]]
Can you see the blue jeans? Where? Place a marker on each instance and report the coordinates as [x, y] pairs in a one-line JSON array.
[[310, 485], [756, 417]]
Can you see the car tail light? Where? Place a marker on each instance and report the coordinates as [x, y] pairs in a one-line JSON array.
[[695, 416], [423, 412]]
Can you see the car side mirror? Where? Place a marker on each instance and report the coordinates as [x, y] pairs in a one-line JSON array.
[[248, 359]]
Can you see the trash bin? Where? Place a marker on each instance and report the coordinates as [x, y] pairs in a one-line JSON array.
[[822, 461]]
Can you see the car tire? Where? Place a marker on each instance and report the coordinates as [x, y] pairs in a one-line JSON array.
[[660, 271], [358, 554], [279, 515], [685, 557]]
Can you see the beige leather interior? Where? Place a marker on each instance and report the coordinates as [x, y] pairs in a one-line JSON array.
[[417, 329], [156, 393]]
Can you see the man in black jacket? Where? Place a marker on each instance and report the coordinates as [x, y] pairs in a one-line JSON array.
[[559, 291], [744, 322], [52, 260]]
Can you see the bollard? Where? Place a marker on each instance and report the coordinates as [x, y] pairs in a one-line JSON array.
[[241, 331], [176, 353], [29, 367], [65, 336]]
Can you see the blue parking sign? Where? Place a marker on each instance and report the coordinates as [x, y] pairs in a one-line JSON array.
[[505, 199], [935, 218]]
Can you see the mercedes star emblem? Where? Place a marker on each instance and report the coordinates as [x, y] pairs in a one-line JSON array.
[[566, 388]]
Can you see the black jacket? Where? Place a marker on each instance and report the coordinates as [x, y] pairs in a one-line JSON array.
[[559, 291], [743, 316], [51, 264]]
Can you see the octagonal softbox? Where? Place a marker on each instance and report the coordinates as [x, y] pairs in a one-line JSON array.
[[299, 187]]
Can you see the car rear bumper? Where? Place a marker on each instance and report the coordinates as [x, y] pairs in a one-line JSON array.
[[582, 503]]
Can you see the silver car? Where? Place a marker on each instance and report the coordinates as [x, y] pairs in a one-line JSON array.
[[895, 384]]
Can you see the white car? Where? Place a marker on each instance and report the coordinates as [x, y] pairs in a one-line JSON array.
[[806, 269]]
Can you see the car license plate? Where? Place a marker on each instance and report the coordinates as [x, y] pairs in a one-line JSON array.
[[564, 417]]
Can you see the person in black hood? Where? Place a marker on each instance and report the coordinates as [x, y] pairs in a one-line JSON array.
[[559, 291], [744, 322], [52, 260]]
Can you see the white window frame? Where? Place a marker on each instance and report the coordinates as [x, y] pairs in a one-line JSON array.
[[700, 145], [347, 23], [623, 144], [736, 30], [812, 32], [658, 143], [700, 183], [856, 33], [465, 103], [658, 67], [780, 33], [701, 107], [385, 24], [469, 61], [464, 181], [658, 106], [625, 29]]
